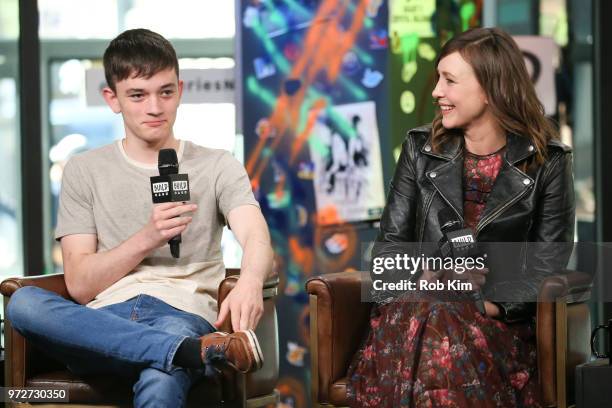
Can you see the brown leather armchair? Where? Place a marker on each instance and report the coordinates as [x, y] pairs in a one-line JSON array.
[[339, 319], [26, 366]]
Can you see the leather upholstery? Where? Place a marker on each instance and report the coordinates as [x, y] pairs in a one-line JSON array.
[[578, 345], [337, 392], [27, 366], [571, 285], [342, 322], [263, 380], [546, 352], [20, 359], [54, 283]]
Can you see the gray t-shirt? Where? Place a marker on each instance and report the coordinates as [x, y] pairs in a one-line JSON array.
[[106, 193]]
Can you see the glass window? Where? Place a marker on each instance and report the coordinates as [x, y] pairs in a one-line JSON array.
[[516, 16], [580, 112], [106, 18], [183, 18], [573, 84], [78, 18], [553, 21], [9, 20], [82, 28], [10, 194]]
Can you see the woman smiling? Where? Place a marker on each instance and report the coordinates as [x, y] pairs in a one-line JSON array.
[[493, 159]]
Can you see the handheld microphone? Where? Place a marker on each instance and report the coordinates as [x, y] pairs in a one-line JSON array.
[[170, 186], [459, 242]]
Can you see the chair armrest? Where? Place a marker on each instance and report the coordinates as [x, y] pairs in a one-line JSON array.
[[18, 359], [574, 286], [270, 290], [263, 381], [562, 329], [54, 283], [339, 321]]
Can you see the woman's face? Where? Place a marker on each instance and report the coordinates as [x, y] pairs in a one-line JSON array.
[[460, 97]]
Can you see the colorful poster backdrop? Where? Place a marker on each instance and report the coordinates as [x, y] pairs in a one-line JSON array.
[[315, 124], [411, 17], [413, 50]]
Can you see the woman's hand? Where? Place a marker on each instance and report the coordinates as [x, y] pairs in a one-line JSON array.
[[476, 276], [431, 276], [491, 309]]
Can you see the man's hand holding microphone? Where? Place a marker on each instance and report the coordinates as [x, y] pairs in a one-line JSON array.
[[167, 220]]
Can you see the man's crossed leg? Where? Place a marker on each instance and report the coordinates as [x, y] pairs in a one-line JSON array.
[[165, 349]]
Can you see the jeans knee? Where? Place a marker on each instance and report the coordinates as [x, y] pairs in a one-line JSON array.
[[157, 388], [24, 307]]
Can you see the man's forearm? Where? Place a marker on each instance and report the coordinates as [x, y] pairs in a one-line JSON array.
[[89, 274], [257, 258]]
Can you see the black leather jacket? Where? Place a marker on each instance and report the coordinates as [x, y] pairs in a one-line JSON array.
[[523, 207]]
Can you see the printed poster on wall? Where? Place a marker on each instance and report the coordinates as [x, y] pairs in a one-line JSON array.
[[345, 150], [542, 59], [411, 17]]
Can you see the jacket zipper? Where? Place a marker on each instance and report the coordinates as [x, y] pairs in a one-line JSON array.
[[449, 204], [491, 217], [525, 246], [426, 212]]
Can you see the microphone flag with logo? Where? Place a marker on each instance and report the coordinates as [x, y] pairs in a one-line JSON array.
[[170, 186], [459, 242]]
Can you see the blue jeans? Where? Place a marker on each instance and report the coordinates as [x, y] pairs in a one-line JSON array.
[[137, 339]]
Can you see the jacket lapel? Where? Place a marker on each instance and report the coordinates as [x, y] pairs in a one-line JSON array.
[[509, 185], [511, 182], [448, 181], [447, 178]]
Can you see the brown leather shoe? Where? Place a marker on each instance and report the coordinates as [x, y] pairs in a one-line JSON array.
[[240, 349]]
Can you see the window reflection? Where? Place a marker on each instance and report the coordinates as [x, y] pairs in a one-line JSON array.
[[9, 19], [10, 194], [10, 248], [106, 18], [553, 21]]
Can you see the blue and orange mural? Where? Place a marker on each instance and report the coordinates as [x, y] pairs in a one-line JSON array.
[[328, 94]]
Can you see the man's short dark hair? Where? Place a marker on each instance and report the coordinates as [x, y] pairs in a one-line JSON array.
[[139, 52]]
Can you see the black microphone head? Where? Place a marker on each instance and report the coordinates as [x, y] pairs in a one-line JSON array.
[[447, 220], [167, 162]]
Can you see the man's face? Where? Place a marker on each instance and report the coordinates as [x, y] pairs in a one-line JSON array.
[[148, 105]]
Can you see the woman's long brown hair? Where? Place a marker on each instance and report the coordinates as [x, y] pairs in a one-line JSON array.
[[500, 70]]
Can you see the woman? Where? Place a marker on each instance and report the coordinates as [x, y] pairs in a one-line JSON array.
[[492, 157]]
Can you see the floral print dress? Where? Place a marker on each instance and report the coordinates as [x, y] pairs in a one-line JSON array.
[[423, 352]]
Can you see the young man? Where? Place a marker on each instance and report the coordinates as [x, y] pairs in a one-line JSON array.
[[140, 311]]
